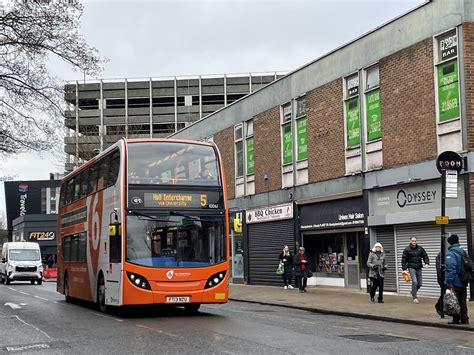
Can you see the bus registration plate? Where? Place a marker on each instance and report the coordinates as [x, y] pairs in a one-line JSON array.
[[177, 299]]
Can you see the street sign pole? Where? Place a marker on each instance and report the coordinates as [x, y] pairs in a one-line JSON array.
[[443, 239]]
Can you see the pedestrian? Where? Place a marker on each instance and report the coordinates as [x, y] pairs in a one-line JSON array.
[[287, 259], [377, 266], [412, 258], [300, 270], [442, 286], [452, 279]]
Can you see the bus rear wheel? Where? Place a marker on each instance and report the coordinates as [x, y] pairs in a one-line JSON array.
[[67, 298], [192, 308], [101, 295]]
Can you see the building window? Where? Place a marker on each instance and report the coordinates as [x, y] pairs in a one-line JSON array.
[[301, 129], [239, 151], [249, 148], [352, 111], [447, 72], [286, 135], [372, 104], [43, 201]]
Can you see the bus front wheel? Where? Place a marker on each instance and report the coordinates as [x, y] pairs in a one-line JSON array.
[[101, 295]]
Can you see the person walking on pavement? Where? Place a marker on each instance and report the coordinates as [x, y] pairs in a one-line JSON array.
[[412, 258], [377, 266], [442, 286], [452, 279], [287, 259], [300, 270]]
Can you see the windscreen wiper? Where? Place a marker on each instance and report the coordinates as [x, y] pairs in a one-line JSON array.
[[138, 214]]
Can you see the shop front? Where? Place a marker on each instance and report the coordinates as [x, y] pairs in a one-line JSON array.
[[397, 213], [333, 235], [268, 229]]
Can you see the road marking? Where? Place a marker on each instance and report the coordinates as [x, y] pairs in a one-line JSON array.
[[465, 347], [23, 304], [41, 298], [104, 316], [157, 330], [19, 348], [32, 326], [12, 305], [23, 293]]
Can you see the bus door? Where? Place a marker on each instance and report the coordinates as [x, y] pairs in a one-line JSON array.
[[114, 270]]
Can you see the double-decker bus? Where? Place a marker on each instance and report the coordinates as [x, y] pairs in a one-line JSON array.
[[145, 222]]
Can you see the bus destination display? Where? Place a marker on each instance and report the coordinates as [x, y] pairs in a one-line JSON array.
[[181, 200]]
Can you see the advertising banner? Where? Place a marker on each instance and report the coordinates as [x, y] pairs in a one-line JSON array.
[[302, 138], [353, 122], [448, 91], [374, 122], [250, 156], [287, 144]]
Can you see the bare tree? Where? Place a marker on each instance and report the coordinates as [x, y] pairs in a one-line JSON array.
[[31, 99]]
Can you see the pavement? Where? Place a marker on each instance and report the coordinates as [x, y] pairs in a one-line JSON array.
[[348, 303]]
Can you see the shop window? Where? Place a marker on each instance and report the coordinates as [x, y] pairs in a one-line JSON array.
[[326, 254], [372, 104], [239, 151], [352, 111], [249, 148]]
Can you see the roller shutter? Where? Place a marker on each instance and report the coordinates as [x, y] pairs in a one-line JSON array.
[[385, 236], [265, 244], [428, 236]]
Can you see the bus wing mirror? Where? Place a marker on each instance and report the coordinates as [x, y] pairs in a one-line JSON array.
[[4, 260], [237, 225]]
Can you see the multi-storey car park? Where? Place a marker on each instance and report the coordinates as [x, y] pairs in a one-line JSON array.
[[98, 113]]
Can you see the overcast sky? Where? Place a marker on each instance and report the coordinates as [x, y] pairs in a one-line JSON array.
[[187, 37]]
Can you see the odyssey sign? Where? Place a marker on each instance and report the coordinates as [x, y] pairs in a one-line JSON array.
[[270, 214], [415, 198]]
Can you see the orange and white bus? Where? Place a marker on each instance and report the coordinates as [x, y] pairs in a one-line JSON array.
[[145, 222]]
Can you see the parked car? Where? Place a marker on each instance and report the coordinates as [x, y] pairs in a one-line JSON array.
[[21, 261]]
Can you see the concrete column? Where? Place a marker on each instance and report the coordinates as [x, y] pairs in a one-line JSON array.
[[151, 108], [225, 90], [175, 105], [76, 158], [200, 97], [126, 108], [101, 129]]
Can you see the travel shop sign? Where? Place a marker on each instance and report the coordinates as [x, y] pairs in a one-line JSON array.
[[417, 197]]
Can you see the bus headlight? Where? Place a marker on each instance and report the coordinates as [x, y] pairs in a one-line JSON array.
[[138, 280], [215, 279]]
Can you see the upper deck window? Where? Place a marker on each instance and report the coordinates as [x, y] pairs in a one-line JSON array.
[[169, 163]]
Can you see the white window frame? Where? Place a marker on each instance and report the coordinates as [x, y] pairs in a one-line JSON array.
[[364, 128], [346, 98], [247, 135], [284, 122], [237, 140]]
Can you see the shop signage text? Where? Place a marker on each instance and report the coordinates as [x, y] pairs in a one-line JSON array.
[[42, 236], [23, 189], [270, 213], [415, 198], [332, 214]]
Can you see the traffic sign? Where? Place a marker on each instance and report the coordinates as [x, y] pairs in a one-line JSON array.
[[442, 220]]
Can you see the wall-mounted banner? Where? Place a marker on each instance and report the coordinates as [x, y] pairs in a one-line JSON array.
[[287, 143], [332, 214], [302, 138], [374, 122], [268, 214], [250, 156], [448, 91], [353, 122]]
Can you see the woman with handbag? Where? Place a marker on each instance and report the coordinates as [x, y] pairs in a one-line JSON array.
[[287, 260], [377, 265], [301, 270]]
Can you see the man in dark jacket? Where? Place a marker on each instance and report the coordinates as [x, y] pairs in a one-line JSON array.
[[453, 282], [412, 258], [442, 285]]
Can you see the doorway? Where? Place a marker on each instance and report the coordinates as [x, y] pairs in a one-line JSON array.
[[351, 251]]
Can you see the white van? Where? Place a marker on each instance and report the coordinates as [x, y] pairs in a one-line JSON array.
[[21, 261]]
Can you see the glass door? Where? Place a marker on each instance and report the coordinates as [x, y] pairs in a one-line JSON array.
[[351, 274]]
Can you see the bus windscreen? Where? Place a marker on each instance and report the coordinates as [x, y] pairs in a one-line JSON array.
[[175, 240], [171, 163]]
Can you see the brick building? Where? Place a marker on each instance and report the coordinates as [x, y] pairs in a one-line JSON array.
[[341, 152]]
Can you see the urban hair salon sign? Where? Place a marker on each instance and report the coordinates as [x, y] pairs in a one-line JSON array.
[[332, 214], [270, 214]]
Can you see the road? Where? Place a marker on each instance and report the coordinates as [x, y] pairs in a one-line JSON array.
[[36, 319]]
